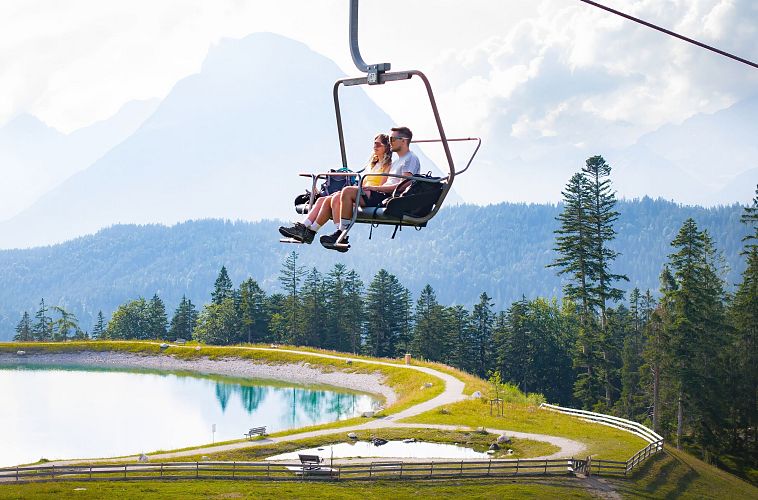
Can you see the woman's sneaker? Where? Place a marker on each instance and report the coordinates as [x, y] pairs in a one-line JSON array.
[[329, 240], [298, 232]]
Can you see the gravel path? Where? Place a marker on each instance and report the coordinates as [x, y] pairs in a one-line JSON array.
[[300, 373]]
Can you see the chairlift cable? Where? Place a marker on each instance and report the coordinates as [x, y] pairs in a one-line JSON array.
[[671, 33]]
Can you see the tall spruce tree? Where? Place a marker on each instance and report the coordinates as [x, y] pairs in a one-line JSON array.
[[312, 310], [429, 335], [43, 326], [223, 287], [253, 311], [98, 331], [385, 313], [290, 276], [696, 334], [743, 351], [183, 321], [602, 214], [482, 322], [24, 330], [157, 320]]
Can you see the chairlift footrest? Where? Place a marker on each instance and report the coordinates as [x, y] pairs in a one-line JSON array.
[[290, 240]]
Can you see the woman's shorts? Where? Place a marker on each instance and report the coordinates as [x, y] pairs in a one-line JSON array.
[[373, 198]]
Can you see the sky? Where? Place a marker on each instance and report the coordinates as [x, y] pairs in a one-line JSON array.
[[496, 65]]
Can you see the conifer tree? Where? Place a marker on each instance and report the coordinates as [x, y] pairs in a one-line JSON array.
[[223, 287], [312, 310], [64, 326], [157, 320], [429, 336], [24, 330], [290, 277], [99, 331], [482, 321], [184, 320], [43, 326], [385, 313], [743, 352], [253, 311]]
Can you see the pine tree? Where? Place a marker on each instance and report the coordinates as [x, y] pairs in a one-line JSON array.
[[157, 321], [385, 315], [743, 351], [64, 326], [312, 310], [290, 277], [482, 321], [184, 320], [575, 246], [253, 311], [24, 330], [429, 337], [99, 331], [696, 334], [222, 288], [43, 326], [601, 215]]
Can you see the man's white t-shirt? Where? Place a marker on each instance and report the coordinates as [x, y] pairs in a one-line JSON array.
[[407, 163]]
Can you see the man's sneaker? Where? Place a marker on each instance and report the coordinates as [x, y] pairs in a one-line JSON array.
[[328, 241], [298, 232]]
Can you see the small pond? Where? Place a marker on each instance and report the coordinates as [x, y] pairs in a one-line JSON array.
[[392, 449], [78, 412]]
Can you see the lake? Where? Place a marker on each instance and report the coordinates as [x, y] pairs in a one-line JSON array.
[[78, 412]]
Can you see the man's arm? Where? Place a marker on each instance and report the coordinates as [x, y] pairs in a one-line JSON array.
[[384, 188]]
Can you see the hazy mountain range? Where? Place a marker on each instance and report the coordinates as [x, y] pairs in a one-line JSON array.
[[229, 142], [466, 250]]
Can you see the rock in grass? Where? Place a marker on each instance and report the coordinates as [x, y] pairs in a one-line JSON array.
[[20, 353], [164, 346], [503, 439], [352, 435], [476, 395], [143, 458], [494, 447]]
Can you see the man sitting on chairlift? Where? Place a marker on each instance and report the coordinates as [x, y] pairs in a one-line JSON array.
[[406, 164]]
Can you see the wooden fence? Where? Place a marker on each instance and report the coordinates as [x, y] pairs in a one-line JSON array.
[[269, 471]]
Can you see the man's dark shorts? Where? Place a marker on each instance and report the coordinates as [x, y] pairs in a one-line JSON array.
[[373, 198]]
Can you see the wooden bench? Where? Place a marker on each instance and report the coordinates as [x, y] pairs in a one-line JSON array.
[[260, 431], [311, 462]]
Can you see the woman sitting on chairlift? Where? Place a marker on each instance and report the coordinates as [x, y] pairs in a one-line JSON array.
[[327, 207]]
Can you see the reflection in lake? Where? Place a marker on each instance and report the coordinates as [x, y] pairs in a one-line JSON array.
[[60, 413]]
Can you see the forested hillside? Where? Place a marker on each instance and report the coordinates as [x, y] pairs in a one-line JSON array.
[[500, 249]]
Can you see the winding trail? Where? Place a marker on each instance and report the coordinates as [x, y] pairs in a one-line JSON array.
[[452, 393]]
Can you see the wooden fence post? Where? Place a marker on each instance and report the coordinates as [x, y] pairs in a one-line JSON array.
[[489, 467], [461, 468], [234, 467]]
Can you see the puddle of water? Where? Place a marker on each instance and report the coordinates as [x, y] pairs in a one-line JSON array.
[[393, 449]]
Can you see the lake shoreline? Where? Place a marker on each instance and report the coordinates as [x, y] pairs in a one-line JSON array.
[[303, 373]]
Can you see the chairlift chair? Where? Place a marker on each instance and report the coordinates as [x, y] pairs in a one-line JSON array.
[[379, 74]]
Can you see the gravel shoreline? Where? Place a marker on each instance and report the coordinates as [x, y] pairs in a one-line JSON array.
[[298, 373]]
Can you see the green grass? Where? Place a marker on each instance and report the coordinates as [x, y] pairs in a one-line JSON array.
[[211, 490], [522, 448], [601, 441], [675, 474]]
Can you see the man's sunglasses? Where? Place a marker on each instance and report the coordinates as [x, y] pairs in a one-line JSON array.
[[392, 139]]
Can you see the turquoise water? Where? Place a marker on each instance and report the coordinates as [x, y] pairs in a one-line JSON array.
[[60, 413]]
